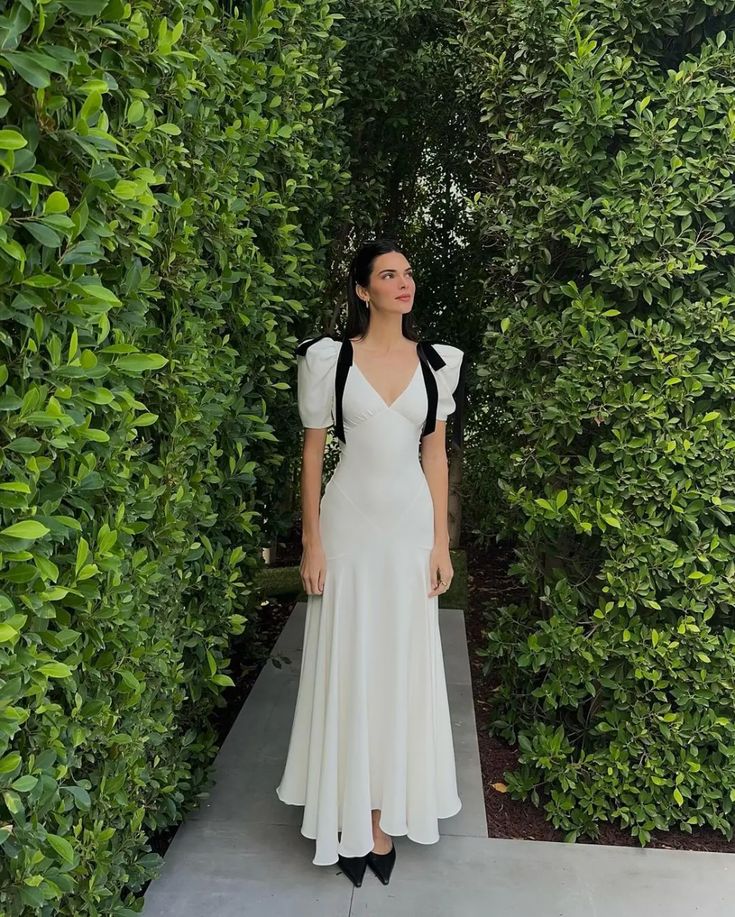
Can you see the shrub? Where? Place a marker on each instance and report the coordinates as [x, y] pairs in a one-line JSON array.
[[158, 237], [610, 150]]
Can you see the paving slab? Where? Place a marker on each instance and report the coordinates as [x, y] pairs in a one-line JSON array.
[[472, 877]]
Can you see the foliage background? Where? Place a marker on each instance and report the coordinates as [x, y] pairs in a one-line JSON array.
[[167, 174], [610, 344]]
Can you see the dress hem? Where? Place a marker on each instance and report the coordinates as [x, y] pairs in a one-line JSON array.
[[415, 839]]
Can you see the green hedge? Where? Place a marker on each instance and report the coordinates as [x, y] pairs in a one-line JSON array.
[[610, 186], [166, 169]]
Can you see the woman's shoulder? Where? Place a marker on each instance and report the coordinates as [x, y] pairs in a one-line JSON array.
[[320, 346], [447, 350], [448, 355]]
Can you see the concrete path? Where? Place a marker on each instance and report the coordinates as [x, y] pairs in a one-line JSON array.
[[241, 853]]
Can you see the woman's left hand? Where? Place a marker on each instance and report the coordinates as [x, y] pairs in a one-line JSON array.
[[440, 568]]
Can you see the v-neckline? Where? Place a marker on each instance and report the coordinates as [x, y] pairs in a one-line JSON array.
[[370, 384]]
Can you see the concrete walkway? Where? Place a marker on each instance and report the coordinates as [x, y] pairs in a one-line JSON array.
[[241, 853]]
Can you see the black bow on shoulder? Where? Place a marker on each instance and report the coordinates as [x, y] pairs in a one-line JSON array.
[[305, 345], [431, 361]]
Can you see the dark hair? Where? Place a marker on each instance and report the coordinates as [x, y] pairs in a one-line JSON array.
[[361, 267]]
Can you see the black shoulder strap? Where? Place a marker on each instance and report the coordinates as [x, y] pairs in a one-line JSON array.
[[430, 360], [344, 361], [430, 357]]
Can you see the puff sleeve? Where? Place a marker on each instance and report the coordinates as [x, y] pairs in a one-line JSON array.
[[450, 380], [316, 365], [447, 379]]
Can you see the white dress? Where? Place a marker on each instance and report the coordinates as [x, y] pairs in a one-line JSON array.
[[371, 727]]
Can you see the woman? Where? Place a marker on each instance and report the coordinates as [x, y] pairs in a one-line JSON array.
[[371, 751]]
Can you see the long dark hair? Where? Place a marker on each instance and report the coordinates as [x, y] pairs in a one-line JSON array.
[[361, 268]]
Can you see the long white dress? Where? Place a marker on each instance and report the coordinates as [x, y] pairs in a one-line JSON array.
[[371, 727]]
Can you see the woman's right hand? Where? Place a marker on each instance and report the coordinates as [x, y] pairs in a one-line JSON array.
[[313, 568]]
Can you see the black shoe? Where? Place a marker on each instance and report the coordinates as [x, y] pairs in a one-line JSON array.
[[382, 863], [353, 867]]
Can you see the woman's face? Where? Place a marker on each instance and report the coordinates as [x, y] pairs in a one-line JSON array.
[[392, 286]]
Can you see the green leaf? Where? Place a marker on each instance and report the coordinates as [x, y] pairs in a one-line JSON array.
[[10, 762], [126, 190], [96, 436], [57, 202], [28, 68], [136, 111], [68, 522], [223, 680], [98, 292], [7, 633], [12, 140], [14, 249], [91, 107], [30, 530], [13, 802], [55, 593], [44, 234], [145, 420], [80, 795], [35, 178], [82, 554], [62, 847], [141, 362], [55, 670], [25, 783]]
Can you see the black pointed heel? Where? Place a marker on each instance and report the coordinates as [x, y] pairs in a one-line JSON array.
[[382, 863], [353, 868]]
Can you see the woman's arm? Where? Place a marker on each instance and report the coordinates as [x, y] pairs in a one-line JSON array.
[[313, 561], [436, 468]]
